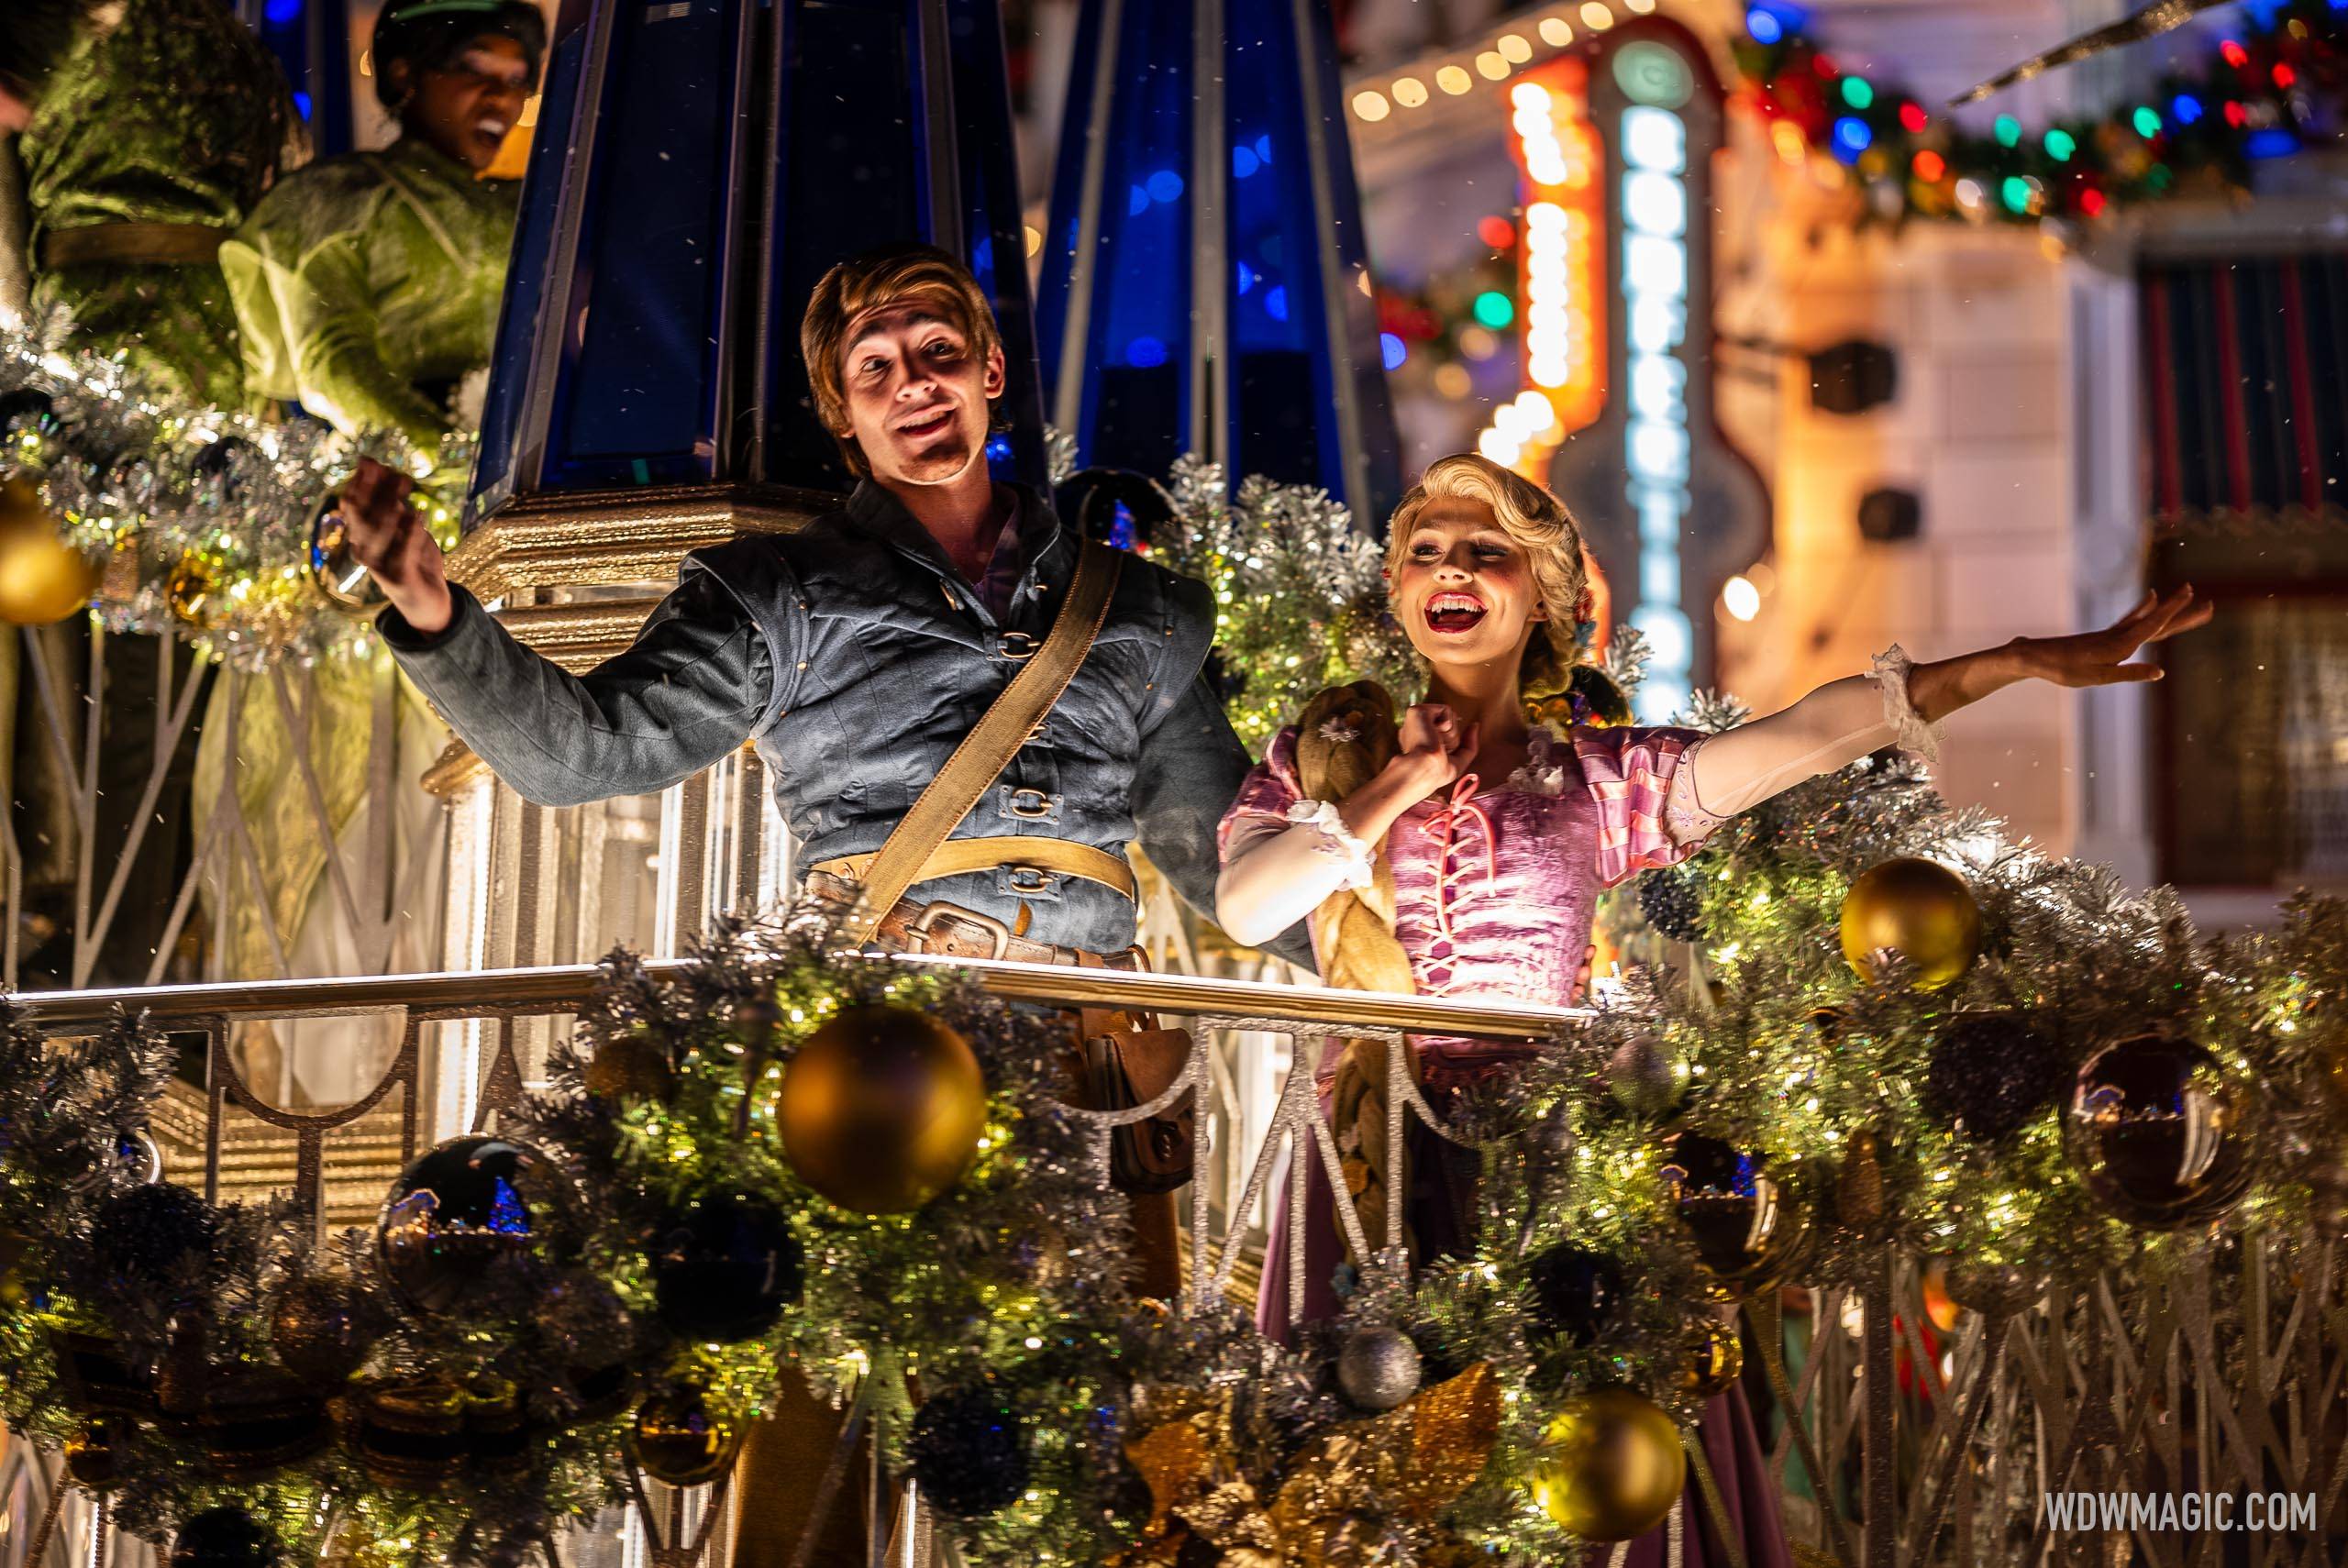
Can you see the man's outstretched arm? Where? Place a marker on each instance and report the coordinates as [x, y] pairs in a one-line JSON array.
[[695, 686]]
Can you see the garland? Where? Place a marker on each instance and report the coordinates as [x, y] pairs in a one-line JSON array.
[[199, 520], [2276, 88]]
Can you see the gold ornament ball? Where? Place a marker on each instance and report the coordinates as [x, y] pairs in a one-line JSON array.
[[193, 591], [1921, 911], [882, 1108], [680, 1441], [1611, 1466], [630, 1069], [1749, 1229], [1715, 1361], [2162, 1133], [43, 578]]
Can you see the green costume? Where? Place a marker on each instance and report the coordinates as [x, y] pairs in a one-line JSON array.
[[170, 116], [367, 287]]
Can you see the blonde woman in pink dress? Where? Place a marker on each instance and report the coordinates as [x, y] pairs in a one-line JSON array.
[[1501, 834]]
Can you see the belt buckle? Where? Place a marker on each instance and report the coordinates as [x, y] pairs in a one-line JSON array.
[[921, 925], [1017, 646], [1040, 810]]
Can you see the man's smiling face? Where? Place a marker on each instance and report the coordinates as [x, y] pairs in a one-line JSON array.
[[917, 393]]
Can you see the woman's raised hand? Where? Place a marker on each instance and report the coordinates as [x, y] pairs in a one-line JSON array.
[[1434, 750], [2100, 658]]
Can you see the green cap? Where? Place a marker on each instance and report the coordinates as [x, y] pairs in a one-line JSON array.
[[410, 10]]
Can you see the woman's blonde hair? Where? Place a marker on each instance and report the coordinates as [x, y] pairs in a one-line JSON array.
[[1539, 524]]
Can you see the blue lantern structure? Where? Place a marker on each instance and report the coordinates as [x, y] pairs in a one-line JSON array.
[[312, 41], [1671, 508], [1204, 286], [698, 165]]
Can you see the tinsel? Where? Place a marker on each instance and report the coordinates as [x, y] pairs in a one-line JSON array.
[[1300, 603], [1013, 1279], [202, 516]]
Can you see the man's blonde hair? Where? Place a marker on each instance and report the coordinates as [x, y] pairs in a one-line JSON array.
[[1539, 524], [878, 279]]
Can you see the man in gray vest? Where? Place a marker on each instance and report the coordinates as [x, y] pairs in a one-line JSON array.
[[860, 652]]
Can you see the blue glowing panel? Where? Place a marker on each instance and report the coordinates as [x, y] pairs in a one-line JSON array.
[[1202, 261], [1283, 386], [1134, 410], [636, 399], [312, 41]]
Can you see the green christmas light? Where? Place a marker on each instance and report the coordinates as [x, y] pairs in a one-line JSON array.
[[2061, 145], [1495, 309], [2009, 131], [1858, 92], [2147, 121], [2015, 192]]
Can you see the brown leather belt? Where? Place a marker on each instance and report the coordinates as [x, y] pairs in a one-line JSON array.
[[949, 931], [166, 244], [1030, 861]]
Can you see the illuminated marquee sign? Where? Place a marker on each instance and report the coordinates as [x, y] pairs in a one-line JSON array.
[[1668, 507]]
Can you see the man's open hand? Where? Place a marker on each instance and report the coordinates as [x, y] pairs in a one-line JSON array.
[[387, 536]]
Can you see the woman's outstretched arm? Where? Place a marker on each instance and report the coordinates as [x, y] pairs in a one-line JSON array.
[[1900, 702]]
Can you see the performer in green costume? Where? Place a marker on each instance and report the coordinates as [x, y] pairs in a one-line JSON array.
[[146, 131], [138, 135], [366, 286]]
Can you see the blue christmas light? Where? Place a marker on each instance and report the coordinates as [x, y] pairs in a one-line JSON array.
[[1243, 162], [1146, 353], [1393, 349], [1276, 305], [301, 104], [1264, 147], [1136, 202], [1764, 27], [1165, 186], [1247, 276], [283, 11], [2275, 141], [2185, 107], [1852, 137]]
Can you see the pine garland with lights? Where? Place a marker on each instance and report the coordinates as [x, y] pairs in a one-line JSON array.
[[1300, 603], [1007, 1288], [200, 519], [2278, 86]]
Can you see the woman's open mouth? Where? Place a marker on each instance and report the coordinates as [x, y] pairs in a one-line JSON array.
[[1454, 614]]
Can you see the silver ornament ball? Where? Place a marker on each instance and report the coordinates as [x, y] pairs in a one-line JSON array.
[[1377, 1368]]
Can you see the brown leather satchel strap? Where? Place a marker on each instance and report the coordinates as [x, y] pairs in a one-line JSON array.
[[168, 244], [988, 749]]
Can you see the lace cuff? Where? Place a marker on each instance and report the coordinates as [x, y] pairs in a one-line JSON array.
[[1911, 732], [1337, 840], [1684, 816]]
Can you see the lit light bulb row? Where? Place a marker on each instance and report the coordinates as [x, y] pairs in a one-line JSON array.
[[1558, 151], [1502, 57]]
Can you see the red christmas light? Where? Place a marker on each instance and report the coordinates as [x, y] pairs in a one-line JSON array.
[[2091, 202], [1929, 166], [2235, 113], [2284, 76], [1912, 118], [2235, 55], [1496, 231]]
